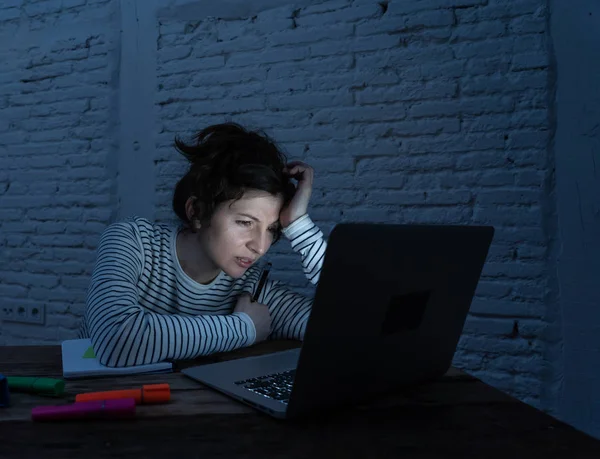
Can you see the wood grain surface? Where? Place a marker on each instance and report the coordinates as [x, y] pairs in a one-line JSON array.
[[457, 416]]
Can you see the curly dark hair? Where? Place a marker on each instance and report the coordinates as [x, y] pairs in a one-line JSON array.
[[225, 161]]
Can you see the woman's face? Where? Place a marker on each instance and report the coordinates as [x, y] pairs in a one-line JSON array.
[[240, 232]]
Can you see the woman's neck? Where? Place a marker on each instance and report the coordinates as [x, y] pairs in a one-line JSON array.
[[193, 259]]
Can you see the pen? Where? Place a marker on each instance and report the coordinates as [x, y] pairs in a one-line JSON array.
[[261, 282]]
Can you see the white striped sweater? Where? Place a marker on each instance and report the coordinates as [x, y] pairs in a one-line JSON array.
[[142, 308]]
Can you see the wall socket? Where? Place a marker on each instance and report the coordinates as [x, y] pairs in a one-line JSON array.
[[26, 314]]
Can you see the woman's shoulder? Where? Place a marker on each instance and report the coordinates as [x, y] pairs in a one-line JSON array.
[[142, 225], [140, 231]]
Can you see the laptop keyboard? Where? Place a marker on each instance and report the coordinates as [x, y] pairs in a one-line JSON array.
[[277, 386]]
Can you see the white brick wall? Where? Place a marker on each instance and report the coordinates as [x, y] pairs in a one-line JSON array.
[[55, 187], [410, 111], [429, 111]]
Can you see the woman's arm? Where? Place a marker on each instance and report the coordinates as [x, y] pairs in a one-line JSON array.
[[124, 333], [307, 239], [290, 310]]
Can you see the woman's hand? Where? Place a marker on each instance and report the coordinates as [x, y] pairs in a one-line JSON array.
[[259, 314], [298, 206]]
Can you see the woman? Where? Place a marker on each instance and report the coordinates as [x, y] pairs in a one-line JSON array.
[[166, 293]]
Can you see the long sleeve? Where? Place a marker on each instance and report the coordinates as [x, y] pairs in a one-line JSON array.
[[290, 310], [124, 333], [307, 239]]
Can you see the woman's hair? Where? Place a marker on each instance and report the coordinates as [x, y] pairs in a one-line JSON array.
[[225, 161]]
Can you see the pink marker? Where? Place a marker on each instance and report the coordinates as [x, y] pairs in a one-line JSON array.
[[110, 409]]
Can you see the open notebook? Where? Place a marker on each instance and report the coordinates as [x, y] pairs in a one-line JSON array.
[[79, 361]]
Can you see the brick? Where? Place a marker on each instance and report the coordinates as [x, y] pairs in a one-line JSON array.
[[483, 326], [350, 14], [314, 67], [529, 366], [523, 80], [453, 143], [434, 215], [227, 106], [174, 53], [191, 65], [449, 197], [433, 70], [530, 292], [396, 197], [10, 14], [13, 291], [438, 18], [324, 7], [527, 24], [493, 289], [325, 132], [423, 181], [403, 164], [520, 235], [308, 35], [366, 215], [56, 294], [489, 73], [212, 78], [507, 308], [529, 61], [528, 139], [27, 280], [529, 178], [268, 57], [494, 179], [480, 31], [528, 44], [191, 94], [91, 63], [46, 71], [360, 44], [482, 49], [48, 123], [308, 101], [403, 8], [342, 197], [401, 57], [42, 8], [412, 128], [509, 196], [408, 92], [12, 3], [72, 3], [371, 113], [99, 215], [241, 45]]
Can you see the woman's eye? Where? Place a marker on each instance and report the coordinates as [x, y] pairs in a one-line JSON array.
[[244, 222]]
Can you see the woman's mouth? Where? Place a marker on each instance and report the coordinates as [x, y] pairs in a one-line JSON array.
[[244, 262]]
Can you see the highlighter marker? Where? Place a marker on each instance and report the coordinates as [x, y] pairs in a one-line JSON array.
[[110, 409], [148, 394]]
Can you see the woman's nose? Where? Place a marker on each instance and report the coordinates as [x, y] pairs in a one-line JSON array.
[[259, 243]]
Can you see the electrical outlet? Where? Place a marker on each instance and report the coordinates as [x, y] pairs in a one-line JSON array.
[[7, 313], [27, 314]]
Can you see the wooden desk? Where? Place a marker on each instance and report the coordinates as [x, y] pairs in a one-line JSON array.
[[459, 416]]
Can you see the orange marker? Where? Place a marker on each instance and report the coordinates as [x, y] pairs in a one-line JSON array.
[[149, 393]]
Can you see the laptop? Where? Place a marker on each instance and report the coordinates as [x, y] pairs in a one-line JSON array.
[[388, 312]]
